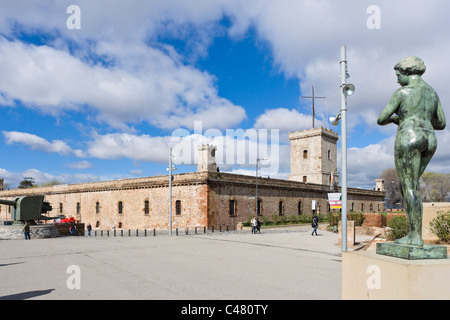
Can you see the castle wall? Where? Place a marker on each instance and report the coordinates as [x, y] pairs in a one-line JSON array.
[[204, 200], [98, 203]]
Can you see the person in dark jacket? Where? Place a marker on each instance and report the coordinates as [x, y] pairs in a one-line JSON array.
[[315, 224], [26, 230]]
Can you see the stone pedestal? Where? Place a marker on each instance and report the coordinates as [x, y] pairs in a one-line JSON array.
[[367, 275], [350, 233], [410, 252], [39, 231]]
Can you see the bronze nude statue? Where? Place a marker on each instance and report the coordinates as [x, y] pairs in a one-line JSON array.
[[416, 109]]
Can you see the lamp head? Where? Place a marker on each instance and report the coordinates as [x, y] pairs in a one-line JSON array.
[[335, 120], [348, 89]]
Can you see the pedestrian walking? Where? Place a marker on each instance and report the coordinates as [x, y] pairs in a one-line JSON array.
[[26, 230], [72, 229], [253, 222], [89, 229], [258, 226], [315, 224]]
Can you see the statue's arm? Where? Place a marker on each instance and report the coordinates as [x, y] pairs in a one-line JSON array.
[[392, 106], [439, 118]]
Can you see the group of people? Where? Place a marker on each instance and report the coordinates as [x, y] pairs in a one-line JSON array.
[[256, 225]]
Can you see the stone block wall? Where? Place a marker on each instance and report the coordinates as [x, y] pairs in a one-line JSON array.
[[374, 219]]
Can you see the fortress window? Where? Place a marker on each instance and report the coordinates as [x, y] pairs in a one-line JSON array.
[[78, 208], [178, 207], [299, 207], [280, 208], [60, 207], [120, 205], [97, 207], [146, 207], [305, 179], [305, 154], [232, 206]]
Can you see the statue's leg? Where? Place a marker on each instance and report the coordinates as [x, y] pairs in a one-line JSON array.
[[408, 160]]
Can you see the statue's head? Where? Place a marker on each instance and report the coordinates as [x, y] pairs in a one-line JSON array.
[[408, 67]]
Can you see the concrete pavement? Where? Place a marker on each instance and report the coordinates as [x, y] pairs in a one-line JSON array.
[[285, 263]]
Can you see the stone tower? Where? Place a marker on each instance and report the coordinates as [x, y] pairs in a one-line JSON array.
[[314, 156], [207, 158], [379, 185]]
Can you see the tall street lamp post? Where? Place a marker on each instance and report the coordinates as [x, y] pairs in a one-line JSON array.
[[170, 169], [346, 90]]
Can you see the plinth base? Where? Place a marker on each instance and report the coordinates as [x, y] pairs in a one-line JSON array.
[[367, 275], [410, 252]]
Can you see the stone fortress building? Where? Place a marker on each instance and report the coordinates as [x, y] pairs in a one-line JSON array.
[[209, 198]]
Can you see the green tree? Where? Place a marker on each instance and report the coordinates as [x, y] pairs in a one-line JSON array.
[[440, 226], [27, 182]]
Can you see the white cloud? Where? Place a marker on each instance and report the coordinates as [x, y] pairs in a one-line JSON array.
[[126, 145], [145, 85], [35, 142], [286, 121], [79, 165]]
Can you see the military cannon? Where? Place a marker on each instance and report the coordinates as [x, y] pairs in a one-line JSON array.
[[28, 208]]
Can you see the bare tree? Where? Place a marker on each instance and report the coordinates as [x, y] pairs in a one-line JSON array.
[[391, 186], [434, 186]]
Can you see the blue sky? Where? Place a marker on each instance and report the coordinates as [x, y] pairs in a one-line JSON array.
[[102, 102]]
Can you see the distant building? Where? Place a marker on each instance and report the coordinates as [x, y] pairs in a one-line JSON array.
[[208, 197]]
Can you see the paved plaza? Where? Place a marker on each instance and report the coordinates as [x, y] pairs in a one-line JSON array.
[[283, 263]]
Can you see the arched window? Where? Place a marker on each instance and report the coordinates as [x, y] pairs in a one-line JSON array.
[[280, 208], [232, 206], [178, 207], [146, 207]]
